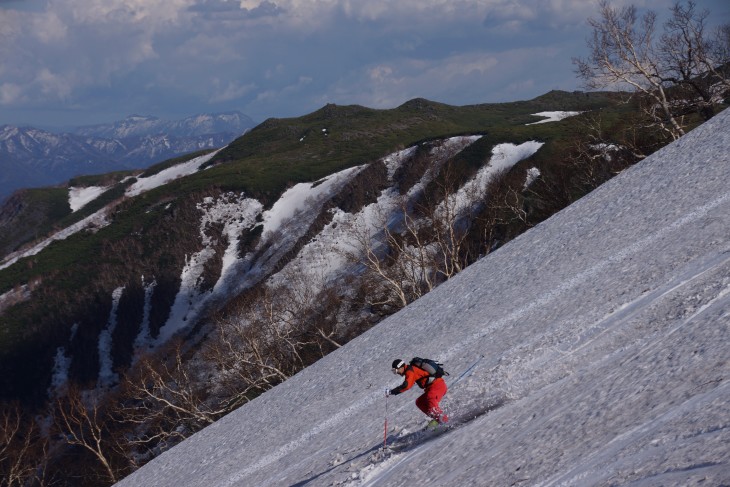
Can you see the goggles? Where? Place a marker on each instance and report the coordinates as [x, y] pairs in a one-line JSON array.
[[398, 366]]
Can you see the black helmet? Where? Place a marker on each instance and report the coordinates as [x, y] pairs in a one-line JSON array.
[[398, 363]]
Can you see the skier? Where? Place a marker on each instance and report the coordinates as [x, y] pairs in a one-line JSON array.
[[434, 389]]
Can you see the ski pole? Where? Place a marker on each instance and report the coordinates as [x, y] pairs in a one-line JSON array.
[[467, 371], [385, 428]]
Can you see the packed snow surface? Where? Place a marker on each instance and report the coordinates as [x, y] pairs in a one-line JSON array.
[[591, 350]]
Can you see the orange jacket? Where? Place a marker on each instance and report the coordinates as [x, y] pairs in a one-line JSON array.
[[413, 375]]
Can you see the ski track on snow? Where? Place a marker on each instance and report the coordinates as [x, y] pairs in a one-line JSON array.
[[293, 445], [581, 278], [382, 472], [641, 433], [455, 351]]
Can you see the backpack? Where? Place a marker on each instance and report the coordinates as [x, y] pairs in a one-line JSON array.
[[434, 369]]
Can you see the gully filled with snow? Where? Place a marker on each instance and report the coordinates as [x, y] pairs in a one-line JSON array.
[[600, 340]]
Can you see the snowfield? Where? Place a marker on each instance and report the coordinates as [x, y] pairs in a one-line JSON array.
[[592, 350]]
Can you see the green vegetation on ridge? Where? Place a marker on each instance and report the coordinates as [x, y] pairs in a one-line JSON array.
[[151, 234]]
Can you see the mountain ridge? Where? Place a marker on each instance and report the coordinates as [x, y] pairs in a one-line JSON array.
[[262, 164]]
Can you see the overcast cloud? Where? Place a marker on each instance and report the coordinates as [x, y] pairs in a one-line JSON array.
[[71, 62]]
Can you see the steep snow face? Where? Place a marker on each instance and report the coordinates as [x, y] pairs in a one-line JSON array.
[[591, 350]]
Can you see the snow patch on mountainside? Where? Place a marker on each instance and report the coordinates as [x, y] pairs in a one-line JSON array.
[[107, 376], [301, 197], [169, 174], [532, 174], [319, 261], [235, 212], [553, 116], [328, 256], [80, 197], [96, 220], [144, 338], [504, 157], [394, 161], [14, 296]]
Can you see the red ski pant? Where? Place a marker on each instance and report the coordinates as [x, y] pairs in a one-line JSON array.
[[428, 402]]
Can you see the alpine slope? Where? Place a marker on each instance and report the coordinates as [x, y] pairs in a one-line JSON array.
[[592, 350]]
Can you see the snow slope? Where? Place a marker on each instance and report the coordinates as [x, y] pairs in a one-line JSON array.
[[596, 344]]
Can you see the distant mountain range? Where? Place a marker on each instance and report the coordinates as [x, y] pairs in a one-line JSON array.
[[32, 157], [141, 126]]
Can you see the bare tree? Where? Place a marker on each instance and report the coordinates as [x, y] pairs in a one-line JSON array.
[[166, 401], [418, 243], [627, 51], [22, 448], [279, 329], [694, 60], [84, 422]]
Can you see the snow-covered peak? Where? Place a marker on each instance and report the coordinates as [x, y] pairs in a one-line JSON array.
[[145, 126]]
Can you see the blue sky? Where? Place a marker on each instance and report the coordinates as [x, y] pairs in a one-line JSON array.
[[74, 62]]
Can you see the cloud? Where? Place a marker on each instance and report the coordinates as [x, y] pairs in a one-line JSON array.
[[49, 28], [459, 79], [281, 57], [10, 93], [54, 84], [231, 90]]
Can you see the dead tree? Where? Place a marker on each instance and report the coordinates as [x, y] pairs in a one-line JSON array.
[[623, 53], [166, 401], [84, 422], [681, 71], [23, 449]]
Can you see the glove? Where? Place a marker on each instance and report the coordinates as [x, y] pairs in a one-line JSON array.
[[387, 392]]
